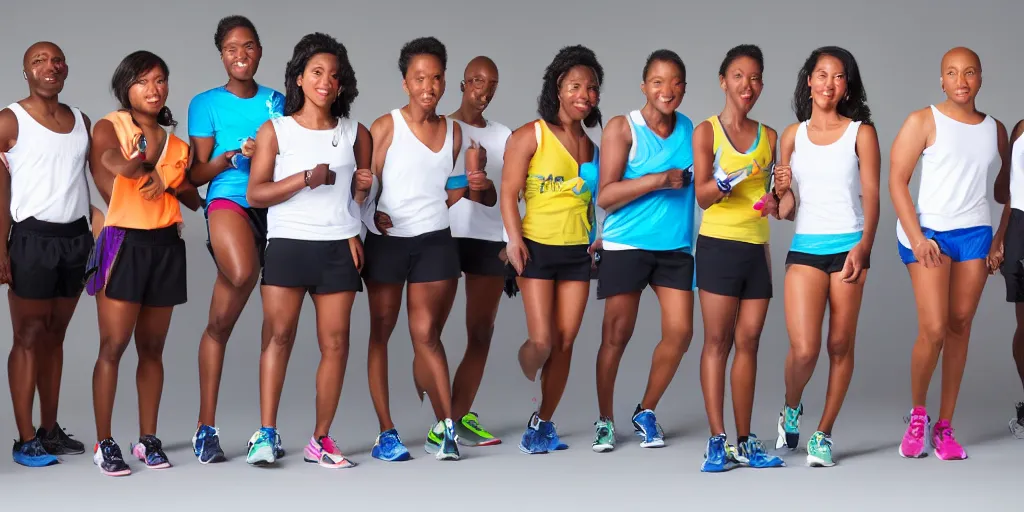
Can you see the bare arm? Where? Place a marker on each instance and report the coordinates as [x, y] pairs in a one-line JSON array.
[[1002, 185], [363, 149], [613, 191], [203, 169], [8, 138], [705, 187], [870, 178], [107, 149], [520, 149], [907, 148], [263, 191], [787, 200], [456, 193], [380, 131], [1004, 217]]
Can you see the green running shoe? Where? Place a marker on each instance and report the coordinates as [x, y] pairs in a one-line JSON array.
[[471, 433], [819, 450], [604, 437], [435, 436]]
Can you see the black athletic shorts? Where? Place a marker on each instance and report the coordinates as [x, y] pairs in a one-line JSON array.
[[425, 258], [733, 268], [827, 263], [633, 269], [319, 266], [480, 257], [48, 260], [1013, 257], [150, 269], [257, 218], [557, 262]]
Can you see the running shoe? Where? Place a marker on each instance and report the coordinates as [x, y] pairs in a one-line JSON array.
[[719, 456], [751, 453], [206, 445], [435, 437], [471, 433], [534, 441], [604, 436], [150, 451], [789, 427], [32, 454], [261, 450], [278, 449], [59, 442], [449, 446], [1017, 424], [107, 456], [645, 425], [944, 442], [913, 445], [547, 429], [324, 452], [819, 450], [388, 447]]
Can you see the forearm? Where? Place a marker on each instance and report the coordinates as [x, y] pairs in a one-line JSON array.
[[617, 194], [487, 197], [1004, 220], [204, 172], [190, 198], [117, 164], [510, 214], [270, 193], [871, 215], [787, 206], [708, 194], [905, 212], [5, 208]]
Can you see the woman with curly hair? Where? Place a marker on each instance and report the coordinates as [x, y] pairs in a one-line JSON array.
[[827, 182], [732, 160], [414, 155], [222, 123], [137, 271], [553, 163], [310, 169]]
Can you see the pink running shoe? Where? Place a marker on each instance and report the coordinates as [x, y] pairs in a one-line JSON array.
[[325, 452], [945, 444], [913, 445]]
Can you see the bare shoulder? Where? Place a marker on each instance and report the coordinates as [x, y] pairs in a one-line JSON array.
[[1018, 130], [866, 130], [381, 126]]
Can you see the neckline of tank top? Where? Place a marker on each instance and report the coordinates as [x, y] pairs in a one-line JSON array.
[[74, 116], [579, 165], [398, 112], [487, 123], [728, 139], [846, 131], [638, 114], [336, 131], [935, 109]]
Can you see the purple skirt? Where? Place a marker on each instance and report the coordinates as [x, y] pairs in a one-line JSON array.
[[104, 255]]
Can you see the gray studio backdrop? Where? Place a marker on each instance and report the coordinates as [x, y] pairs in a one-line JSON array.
[[898, 45]]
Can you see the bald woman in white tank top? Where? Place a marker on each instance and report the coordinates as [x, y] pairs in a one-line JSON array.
[[946, 243]]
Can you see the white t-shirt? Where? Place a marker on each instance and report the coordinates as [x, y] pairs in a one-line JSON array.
[[470, 219]]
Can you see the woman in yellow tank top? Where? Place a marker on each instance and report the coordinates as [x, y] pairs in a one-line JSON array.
[[554, 163], [732, 162]]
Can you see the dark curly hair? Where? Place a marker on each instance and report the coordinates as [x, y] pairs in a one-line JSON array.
[[854, 105], [422, 46], [127, 74], [566, 59], [744, 50], [664, 55], [229, 23], [310, 45]]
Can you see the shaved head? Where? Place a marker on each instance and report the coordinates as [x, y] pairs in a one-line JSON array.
[[961, 55], [480, 63], [41, 46]]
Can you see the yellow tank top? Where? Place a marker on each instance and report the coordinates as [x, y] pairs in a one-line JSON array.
[[557, 198], [734, 217]]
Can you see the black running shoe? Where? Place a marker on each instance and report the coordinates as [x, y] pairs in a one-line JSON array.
[[59, 442], [107, 455]]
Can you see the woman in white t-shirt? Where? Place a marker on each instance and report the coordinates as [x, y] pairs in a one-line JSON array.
[[827, 182], [311, 171]]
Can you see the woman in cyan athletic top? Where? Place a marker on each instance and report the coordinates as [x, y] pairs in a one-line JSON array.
[[476, 225], [732, 160], [414, 155], [222, 124], [647, 238], [311, 170], [137, 271], [553, 163], [827, 181], [946, 242], [1010, 193]]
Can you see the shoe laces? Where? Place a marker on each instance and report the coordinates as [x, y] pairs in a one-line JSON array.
[[33, 448], [111, 451], [753, 447], [471, 420], [211, 442], [945, 434], [917, 424]]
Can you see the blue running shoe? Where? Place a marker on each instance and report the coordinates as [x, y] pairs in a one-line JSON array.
[[645, 423], [261, 447], [150, 451], [449, 443], [206, 445], [278, 449], [718, 456], [547, 429], [32, 454], [534, 441], [389, 447], [752, 453]]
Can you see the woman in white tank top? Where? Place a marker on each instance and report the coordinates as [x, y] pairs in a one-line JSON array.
[[827, 181], [311, 171], [947, 242]]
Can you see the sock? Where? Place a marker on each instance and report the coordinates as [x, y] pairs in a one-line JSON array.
[[741, 439]]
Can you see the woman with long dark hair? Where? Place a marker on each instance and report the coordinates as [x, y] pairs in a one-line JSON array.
[[553, 163], [827, 182], [138, 268], [310, 169]]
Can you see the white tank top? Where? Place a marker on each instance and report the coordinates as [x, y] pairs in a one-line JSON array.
[[1017, 175], [414, 177], [953, 193], [327, 212], [470, 219], [48, 170], [826, 181]]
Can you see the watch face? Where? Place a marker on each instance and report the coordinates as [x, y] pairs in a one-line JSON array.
[[141, 145]]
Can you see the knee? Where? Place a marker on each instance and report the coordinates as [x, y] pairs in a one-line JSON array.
[[334, 345], [616, 332], [717, 343], [111, 349], [151, 349], [240, 278], [678, 338], [747, 342], [806, 353], [933, 334], [840, 347], [220, 326], [960, 324], [281, 338], [30, 332], [480, 335], [426, 335]]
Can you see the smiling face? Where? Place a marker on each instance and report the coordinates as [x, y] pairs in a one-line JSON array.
[[241, 54], [961, 75], [578, 92], [664, 86], [149, 92], [742, 83], [319, 81], [45, 69], [828, 82], [424, 81]]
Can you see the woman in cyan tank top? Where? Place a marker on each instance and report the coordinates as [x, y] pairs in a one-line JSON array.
[[827, 182], [732, 160], [947, 240], [553, 163]]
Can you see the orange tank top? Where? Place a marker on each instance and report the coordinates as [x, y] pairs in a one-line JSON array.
[[127, 208]]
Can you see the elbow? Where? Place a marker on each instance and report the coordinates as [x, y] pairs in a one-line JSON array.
[[254, 201]]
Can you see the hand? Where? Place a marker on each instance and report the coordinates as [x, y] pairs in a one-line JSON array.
[[927, 252], [317, 176], [229, 158], [152, 186], [517, 255], [783, 179], [248, 147], [995, 257], [382, 221], [595, 255], [356, 246], [363, 179], [724, 186], [478, 181], [674, 179], [5, 267], [854, 264], [332, 177], [769, 206], [476, 157]]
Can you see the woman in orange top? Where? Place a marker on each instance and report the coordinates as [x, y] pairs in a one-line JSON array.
[[137, 271]]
